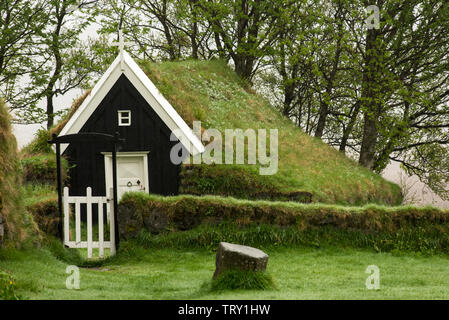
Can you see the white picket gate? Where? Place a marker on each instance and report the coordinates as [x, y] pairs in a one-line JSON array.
[[89, 200]]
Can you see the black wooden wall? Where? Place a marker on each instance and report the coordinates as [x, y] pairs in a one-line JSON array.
[[146, 133]]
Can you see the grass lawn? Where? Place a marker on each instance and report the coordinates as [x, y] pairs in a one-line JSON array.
[[299, 273]]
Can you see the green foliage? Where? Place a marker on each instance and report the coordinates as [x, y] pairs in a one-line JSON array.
[[8, 287], [39, 144], [64, 61], [20, 20], [41, 169], [377, 94], [244, 280], [38, 161], [35, 193]]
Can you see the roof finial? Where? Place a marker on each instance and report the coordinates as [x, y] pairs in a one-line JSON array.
[[121, 45]]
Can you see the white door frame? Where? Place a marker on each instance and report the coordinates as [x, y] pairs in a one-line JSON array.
[[108, 167]]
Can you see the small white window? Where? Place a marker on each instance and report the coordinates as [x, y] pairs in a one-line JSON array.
[[124, 117]]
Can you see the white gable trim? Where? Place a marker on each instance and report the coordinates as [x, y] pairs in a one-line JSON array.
[[149, 92]]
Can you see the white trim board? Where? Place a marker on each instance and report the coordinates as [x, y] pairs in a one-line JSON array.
[[127, 153], [150, 93]]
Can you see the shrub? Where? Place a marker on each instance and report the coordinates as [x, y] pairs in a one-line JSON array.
[[39, 144], [41, 168], [46, 215], [8, 287]]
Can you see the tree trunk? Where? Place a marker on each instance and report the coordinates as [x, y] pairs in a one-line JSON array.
[[324, 106], [50, 90], [221, 53], [194, 44], [244, 66], [170, 43], [349, 128], [371, 97], [368, 149], [324, 110], [194, 33], [288, 100], [50, 111], [397, 133]]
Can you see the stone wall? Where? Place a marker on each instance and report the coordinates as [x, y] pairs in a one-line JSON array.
[[158, 214]]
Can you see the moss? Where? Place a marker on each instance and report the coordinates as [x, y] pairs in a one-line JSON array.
[[20, 227]]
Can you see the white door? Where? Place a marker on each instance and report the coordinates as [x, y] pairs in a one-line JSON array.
[[132, 172]]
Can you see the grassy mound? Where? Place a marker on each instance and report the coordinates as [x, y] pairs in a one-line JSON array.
[[46, 215], [19, 225], [309, 170], [39, 161], [41, 169], [212, 93]]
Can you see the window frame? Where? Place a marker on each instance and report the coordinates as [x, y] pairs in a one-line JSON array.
[[121, 118]]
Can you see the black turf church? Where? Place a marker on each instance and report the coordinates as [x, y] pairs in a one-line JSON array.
[[126, 101]]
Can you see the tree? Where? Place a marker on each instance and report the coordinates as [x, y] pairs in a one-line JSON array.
[[244, 30], [406, 80], [20, 21], [380, 94], [314, 61], [160, 29], [64, 62]]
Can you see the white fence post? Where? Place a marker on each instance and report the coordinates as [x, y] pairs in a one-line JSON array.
[[77, 221], [66, 216], [89, 221], [100, 229], [112, 221]]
